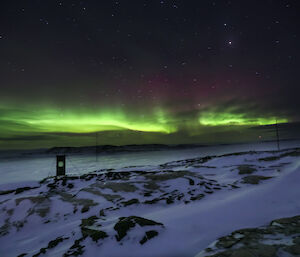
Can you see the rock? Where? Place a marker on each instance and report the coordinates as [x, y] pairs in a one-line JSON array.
[[191, 182], [126, 223], [296, 240], [85, 208], [130, 202], [153, 201], [242, 253], [119, 186], [6, 192], [246, 169], [87, 229], [70, 185], [22, 189], [93, 233], [197, 197], [295, 220], [147, 194], [55, 242], [293, 249], [169, 200], [249, 242], [263, 250], [123, 226], [76, 249], [254, 179], [89, 221], [270, 159], [51, 245], [149, 234], [226, 242], [22, 255]]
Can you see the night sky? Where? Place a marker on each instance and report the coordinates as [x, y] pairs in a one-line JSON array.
[[140, 72]]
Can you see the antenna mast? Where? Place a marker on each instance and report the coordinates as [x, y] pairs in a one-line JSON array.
[[96, 148], [277, 135]]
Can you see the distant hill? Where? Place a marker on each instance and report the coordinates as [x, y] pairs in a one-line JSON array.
[[116, 149]]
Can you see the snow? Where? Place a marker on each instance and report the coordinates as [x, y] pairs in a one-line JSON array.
[[190, 226], [37, 166], [253, 207]]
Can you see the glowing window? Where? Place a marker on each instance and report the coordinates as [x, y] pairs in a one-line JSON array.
[[60, 164]]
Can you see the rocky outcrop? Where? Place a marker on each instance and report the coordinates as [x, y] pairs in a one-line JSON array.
[[280, 238]]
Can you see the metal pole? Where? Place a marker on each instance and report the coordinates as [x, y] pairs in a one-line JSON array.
[[277, 135], [96, 147]]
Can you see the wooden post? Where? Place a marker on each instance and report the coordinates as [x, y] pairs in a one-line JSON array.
[[60, 165]]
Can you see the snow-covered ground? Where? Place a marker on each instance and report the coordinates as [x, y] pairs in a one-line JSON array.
[[16, 168], [177, 208]]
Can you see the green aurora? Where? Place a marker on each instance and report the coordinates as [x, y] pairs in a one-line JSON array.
[[147, 72], [31, 127], [87, 121], [240, 119]]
